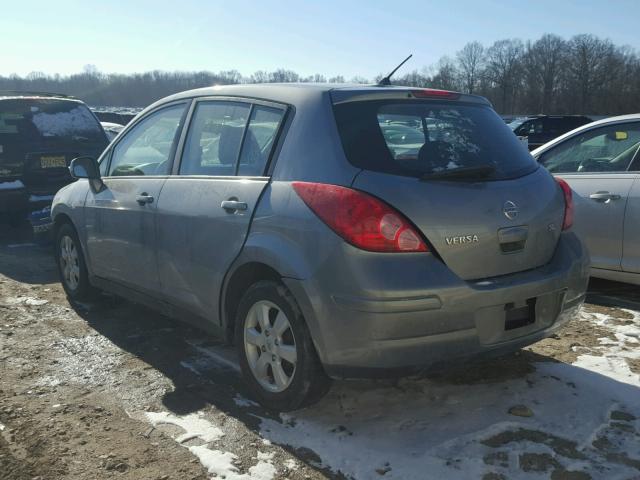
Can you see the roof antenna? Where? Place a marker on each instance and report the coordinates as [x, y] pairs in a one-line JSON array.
[[386, 81]]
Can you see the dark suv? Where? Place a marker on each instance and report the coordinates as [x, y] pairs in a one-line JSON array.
[[39, 135], [544, 128]]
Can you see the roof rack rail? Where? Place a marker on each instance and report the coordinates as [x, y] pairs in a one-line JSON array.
[[5, 93]]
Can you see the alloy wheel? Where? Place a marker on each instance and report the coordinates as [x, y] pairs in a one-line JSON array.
[[69, 262], [270, 346]]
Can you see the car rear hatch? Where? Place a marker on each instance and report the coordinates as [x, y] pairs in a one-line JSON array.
[[40, 136], [458, 173]]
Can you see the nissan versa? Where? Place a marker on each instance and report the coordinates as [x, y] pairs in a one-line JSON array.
[[327, 231]]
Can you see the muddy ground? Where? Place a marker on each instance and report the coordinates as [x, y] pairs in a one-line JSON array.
[[76, 382]]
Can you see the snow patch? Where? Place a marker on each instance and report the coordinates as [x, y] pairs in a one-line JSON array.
[[240, 401], [218, 355], [16, 184], [64, 124], [31, 301], [22, 245], [40, 198], [217, 462], [194, 425], [221, 464], [2, 427]]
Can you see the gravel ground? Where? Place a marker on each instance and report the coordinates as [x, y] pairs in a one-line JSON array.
[[114, 390]]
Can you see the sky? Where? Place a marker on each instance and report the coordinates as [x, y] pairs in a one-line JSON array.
[[331, 37]]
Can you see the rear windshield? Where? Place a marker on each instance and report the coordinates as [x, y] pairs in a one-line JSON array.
[[47, 121], [417, 138]]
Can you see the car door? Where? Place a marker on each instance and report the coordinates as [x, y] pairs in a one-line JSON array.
[[120, 219], [631, 245], [596, 165], [205, 208]]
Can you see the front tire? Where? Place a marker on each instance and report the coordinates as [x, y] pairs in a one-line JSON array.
[[277, 356], [71, 264]]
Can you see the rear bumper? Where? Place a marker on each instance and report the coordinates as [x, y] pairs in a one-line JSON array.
[[403, 313], [13, 197]]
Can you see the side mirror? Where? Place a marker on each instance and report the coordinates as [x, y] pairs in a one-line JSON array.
[[85, 167]]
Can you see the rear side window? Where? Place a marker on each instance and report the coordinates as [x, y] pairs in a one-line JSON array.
[[48, 121], [213, 142], [259, 139], [419, 138]]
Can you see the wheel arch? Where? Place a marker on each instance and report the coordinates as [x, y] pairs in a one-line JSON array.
[[242, 277]]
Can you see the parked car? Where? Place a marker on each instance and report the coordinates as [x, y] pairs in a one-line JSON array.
[[601, 163], [111, 129], [119, 117], [315, 248], [40, 133], [544, 128]]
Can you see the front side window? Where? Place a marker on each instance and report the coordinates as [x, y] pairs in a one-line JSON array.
[[147, 148], [418, 138], [259, 140], [213, 142], [605, 149]]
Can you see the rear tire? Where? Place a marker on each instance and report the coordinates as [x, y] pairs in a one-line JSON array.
[[71, 265], [277, 356]]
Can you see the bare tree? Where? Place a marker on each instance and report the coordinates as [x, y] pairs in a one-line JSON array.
[[584, 75], [586, 61], [446, 75], [504, 69], [544, 62], [470, 63]]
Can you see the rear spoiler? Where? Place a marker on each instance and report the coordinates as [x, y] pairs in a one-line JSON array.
[[344, 95]]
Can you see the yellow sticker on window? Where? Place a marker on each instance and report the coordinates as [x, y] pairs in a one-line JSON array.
[[622, 135]]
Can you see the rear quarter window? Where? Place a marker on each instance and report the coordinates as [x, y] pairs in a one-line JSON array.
[[416, 138]]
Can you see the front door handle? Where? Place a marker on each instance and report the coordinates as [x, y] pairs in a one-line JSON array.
[[144, 198], [604, 197], [233, 205]]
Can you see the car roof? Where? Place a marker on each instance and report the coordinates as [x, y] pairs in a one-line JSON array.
[[14, 94], [542, 115], [605, 121], [296, 93]]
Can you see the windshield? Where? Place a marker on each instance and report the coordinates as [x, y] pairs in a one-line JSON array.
[[418, 138], [47, 121]]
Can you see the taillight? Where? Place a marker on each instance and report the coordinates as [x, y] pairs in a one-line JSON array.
[[359, 218], [568, 204], [434, 93]]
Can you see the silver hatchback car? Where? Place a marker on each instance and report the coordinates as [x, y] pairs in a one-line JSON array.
[[327, 231]]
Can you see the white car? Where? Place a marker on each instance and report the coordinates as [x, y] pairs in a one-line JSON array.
[[601, 163], [111, 129]]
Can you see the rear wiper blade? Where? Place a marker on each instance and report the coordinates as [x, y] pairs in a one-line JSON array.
[[476, 171]]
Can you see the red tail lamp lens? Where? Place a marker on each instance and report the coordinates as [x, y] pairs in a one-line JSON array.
[[362, 220]]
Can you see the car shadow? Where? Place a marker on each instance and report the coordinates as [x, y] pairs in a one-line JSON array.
[[26, 258], [608, 293]]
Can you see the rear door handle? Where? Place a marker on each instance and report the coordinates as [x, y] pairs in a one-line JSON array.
[[604, 197], [233, 205], [144, 198]]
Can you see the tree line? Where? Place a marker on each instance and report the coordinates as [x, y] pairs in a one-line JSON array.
[[581, 75]]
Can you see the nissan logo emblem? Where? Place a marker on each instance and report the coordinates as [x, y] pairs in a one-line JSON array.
[[510, 210]]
